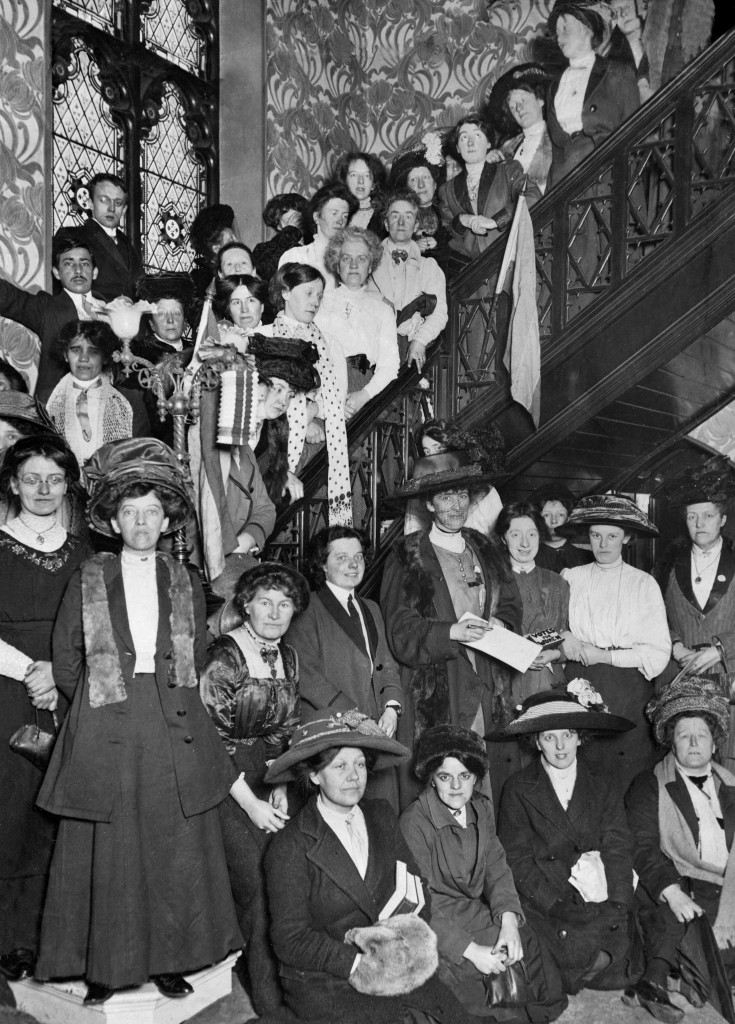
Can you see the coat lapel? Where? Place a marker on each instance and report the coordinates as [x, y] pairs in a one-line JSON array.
[[113, 250], [679, 794], [723, 579], [596, 76], [331, 858], [683, 573], [541, 796], [486, 181], [343, 620]]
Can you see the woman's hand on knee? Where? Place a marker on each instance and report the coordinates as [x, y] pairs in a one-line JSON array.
[[682, 906]]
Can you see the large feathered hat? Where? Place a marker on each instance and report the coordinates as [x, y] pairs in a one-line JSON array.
[[608, 510], [714, 481]]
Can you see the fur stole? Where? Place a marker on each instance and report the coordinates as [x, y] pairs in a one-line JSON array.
[[106, 682], [429, 683]]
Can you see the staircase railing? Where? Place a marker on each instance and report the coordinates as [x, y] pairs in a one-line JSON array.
[[631, 199]]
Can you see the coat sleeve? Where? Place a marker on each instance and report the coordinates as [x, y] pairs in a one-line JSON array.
[[499, 888], [68, 639], [616, 846], [510, 606], [218, 686], [389, 676], [26, 308], [388, 360], [413, 639], [297, 941], [433, 282], [654, 869], [262, 516]]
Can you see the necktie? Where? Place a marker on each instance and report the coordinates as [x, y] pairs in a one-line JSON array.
[[269, 655], [357, 623], [399, 255], [358, 844], [82, 406], [698, 780]]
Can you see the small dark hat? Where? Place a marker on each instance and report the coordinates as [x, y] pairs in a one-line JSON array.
[[523, 76], [286, 358], [134, 460], [689, 694], [208, 222], [341, 729], [579, 707], [154, 287], [595, 14], [448, 741], [608, 510], [441, 472], [714, 481]]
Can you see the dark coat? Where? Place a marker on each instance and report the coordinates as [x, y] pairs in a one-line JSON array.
[[610, 98], [118, 264], [500, 186], [146, 419], [315, 895], [45, 315], [80, 779]]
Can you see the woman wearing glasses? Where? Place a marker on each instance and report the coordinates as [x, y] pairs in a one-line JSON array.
[[37, 557]]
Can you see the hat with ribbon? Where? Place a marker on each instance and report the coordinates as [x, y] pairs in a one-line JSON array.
[[578, 707], [340, 729], [688, 694], [608, 510], [287, 359], [130, 461]]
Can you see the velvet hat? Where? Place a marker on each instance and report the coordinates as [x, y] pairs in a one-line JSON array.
[[210, 221], [340, 729], [608, 510], [524, 76], [20, 406], [688, 694], [286, 358], [441, 472], [155, 287], [130, 461], [449, 741], [713, 481], [578, 707]]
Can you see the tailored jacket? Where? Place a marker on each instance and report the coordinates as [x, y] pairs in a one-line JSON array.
[[610, 98], [80, 781], [500, 186], [542, 841], [540, 165], [334, 671], [655, 870], [44, 314], [118, 264]]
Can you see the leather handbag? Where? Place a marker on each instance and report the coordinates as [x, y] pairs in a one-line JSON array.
[[34, 743], [509, 988]]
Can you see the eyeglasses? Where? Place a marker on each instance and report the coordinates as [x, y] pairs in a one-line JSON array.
[[34, 480]]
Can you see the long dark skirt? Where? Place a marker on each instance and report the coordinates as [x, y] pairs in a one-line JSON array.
[[621, 755], [147, 892]]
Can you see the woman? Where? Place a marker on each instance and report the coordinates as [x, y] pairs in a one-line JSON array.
[[296, 290], [565, 836], [545, 596], [478, 204], [518, 100], [475, 910], [358, 323], [37, 558], [138, 887], [618, 633], [486, 447], [249, 686], [238, 304], [365, 177], [555, 503], [329, 873], [593, 96], [213, 227], [414, 170], [682, 816], [285, 214]]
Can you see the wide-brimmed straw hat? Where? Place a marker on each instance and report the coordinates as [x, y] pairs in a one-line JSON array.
[[523, 76], [579, 707], [441, 472], [714, 481], [608, 510], [689, 694], [287, 359], [134, 460], [340, 729]]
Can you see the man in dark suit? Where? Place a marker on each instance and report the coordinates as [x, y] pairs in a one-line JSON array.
[[119, 265], [45, 314], [344, 659]]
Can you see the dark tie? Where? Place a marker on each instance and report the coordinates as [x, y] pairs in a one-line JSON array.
[[698, 780], [357, 623], [269, 655], [399, 255]]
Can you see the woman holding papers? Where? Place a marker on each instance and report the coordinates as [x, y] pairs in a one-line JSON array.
[[565, 835], [432, 580], [332, 871], [619, 638], [475, 910]]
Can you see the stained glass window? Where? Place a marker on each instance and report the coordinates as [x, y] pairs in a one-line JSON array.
[[97, 12], [174, 189], [168, 29], [85, 139]]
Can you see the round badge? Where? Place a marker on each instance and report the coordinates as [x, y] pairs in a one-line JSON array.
[[721, 578]]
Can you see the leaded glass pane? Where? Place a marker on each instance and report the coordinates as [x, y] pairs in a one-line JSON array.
[[167, 29], [174, 189], [85, 139], [97, 12]]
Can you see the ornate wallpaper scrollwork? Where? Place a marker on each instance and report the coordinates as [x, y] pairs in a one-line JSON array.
[[22, 185], [375, 74]]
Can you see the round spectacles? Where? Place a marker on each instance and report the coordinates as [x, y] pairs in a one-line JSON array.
[[33, 479]]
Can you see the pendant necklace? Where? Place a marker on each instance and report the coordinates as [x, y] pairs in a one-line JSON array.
[[41, 533], [699, 568]]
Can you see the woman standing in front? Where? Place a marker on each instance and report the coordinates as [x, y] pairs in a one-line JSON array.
[[138, 888], [37, 558], [618, 637]]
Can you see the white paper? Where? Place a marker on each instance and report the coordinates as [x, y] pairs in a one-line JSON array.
[[505, 645]]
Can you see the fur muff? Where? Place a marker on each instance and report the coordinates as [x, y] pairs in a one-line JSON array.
[[398, 956]]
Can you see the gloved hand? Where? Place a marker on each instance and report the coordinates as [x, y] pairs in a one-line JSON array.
[[573, 908]]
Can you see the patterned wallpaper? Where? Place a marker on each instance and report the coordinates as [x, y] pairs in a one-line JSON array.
[[23, 207], [373, 74]]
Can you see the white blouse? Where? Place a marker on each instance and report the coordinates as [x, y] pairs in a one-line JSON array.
[[141, 598], [621, 607], [361, 323], [569, 98]]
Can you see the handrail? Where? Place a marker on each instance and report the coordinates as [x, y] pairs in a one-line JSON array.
[[633, 196]]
